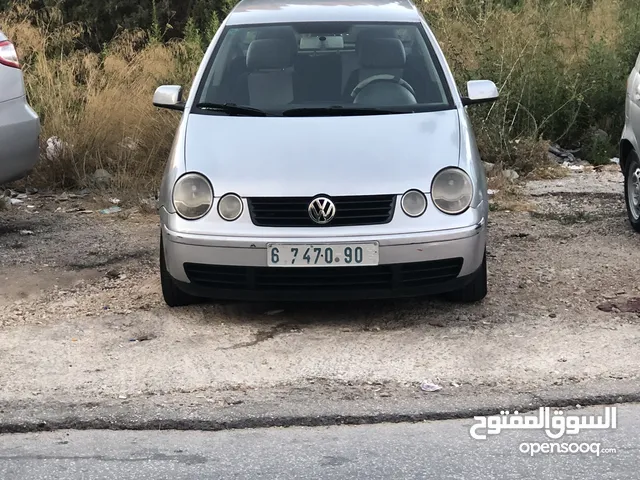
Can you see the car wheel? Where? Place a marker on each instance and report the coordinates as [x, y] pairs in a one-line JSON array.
[[173, 296], [474, 291], [632, 190]]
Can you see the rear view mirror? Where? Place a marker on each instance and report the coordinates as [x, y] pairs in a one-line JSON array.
[[480, 91], [169, 96]]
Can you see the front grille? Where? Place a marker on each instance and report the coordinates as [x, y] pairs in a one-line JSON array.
[[316, 279], [293, 211]]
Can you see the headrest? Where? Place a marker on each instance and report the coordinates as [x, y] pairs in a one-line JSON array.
[[269, 54], [285, 33], [382, 53], [374, 32]]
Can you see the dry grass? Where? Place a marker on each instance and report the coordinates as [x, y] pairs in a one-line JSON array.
[[507, 194], [541, 55], [98, 105], [549, 171], [510, 202]]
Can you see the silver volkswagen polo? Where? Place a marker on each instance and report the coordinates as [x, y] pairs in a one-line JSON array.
[[324, 153]]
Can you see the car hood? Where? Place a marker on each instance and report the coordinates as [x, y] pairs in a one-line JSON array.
[[306, 156]]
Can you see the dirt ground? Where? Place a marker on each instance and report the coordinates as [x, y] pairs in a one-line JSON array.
[[81, 314]]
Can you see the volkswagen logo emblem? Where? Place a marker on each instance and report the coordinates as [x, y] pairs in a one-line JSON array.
[[322, 210]]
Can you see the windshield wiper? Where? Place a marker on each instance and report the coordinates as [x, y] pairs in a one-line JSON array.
[[338, 110], [232, 109]]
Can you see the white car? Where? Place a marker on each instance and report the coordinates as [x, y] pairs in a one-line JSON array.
[[19, 124], [630, 147], [324, 153]]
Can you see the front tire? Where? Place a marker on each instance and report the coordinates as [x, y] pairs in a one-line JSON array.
[[173, 296], [632, 190], [475, 291]]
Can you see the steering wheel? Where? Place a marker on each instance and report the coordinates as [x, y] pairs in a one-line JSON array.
[[381, 78]]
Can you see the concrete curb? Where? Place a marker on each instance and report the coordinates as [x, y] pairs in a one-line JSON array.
[[179, 412]]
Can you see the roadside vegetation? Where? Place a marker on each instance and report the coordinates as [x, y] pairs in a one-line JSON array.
[[90, 71]]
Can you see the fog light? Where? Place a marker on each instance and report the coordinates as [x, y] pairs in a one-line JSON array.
[[414, 203], [230, 207]]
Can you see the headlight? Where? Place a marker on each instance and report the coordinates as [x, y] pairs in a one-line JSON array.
[[192, 196], [414, 203], [452, 191], [230, 207]]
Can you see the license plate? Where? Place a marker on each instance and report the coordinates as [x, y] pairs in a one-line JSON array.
[[345, 255]]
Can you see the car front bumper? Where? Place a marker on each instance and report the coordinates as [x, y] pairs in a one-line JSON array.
[[235, 268]]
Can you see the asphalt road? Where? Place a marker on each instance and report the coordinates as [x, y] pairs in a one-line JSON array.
[[442, 449]]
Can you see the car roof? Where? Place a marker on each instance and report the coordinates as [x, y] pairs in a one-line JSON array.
[[291, 11]]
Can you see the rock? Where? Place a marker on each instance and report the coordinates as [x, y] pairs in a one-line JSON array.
[[606, 307], [511, 175], [601, 135], [113, 274], [554, 158], [55, 148], [489, 167], [101, 178], [149, 204]]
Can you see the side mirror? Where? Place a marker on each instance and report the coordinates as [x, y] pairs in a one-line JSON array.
[[480, 91], [169, 96]]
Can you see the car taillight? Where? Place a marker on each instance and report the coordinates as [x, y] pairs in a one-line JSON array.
[[8, 55]]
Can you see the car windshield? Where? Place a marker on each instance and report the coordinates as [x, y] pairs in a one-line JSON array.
[[317, 69]]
